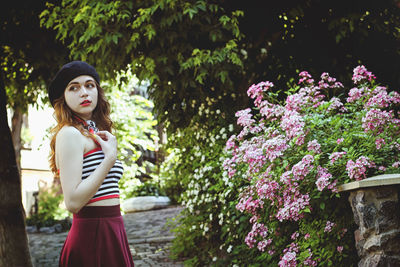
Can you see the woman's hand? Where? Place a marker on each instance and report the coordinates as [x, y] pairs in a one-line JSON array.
[[108, 143]]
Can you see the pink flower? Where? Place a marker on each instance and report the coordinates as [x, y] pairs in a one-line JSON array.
[[357, 170], [258, 230], [379, 142], [336, 155], [314, 146], [303, 167], [267, 189], [256, 91], [231, 142], [294, 236], [271, 111], [289, 257], [293, 206], [244, 117], [394, 97], [292, 123], [288, 260], [263, 244], [297, 101], [379, 99], [360, 74], [249, 204], [323, 178], [355, 94], [329, 226], [304, 76], [340, 140], [274, 147], [307, 236], [376, 120], [335, 104], [382, 168], [328, 82], [339, 249], [309, 261], [396, 164]]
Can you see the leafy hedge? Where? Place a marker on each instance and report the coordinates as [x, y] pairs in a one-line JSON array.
[[270, 195]]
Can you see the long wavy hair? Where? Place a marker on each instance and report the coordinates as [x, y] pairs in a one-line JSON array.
[[66, 117]]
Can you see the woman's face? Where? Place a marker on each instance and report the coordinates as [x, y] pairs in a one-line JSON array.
[[81, 96]]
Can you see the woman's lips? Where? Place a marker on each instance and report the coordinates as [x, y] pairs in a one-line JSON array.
[[85, 103]]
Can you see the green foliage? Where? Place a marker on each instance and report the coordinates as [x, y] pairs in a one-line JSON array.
[[193, 50], [24, 71], [26, 137], [135, 130], [180, 47], [210, 230], [295, 155], [148, 188], [50, 209]]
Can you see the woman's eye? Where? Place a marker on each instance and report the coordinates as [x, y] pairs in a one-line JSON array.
[[73, 88], [90, 85]]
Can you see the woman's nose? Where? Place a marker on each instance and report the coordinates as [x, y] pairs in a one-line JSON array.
[[83, 91]]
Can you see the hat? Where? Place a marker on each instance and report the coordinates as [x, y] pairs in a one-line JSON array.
[[67, 73]]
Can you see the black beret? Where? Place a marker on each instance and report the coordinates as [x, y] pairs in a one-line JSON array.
[[67, 73]]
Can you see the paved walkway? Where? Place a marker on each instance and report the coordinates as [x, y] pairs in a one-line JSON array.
[[148, 236]]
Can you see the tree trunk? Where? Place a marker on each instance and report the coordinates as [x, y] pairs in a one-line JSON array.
[[14, 250], [16, 126]]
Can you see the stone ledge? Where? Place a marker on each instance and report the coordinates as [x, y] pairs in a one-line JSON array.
[[161, 239], [379, 180], [144, 203]]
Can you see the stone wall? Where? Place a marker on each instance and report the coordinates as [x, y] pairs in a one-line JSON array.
[[377, 213]]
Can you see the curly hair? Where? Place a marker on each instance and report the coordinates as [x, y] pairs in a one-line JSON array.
[[66, 117]]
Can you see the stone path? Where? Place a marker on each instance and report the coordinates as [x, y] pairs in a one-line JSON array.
[[148, 236]]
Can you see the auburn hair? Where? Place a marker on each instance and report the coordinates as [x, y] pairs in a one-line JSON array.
[[66, 117]]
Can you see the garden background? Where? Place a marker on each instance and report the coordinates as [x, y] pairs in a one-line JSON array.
[[202, 62]]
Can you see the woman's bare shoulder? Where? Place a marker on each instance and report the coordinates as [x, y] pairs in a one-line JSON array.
[[68, 131], [71, 135]]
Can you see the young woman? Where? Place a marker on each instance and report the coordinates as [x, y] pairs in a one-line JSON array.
[[84, 157]]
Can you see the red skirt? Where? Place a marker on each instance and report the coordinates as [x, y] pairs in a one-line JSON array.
[[97, 238]]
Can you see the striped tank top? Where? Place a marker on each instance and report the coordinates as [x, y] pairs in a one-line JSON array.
[[109, 187]]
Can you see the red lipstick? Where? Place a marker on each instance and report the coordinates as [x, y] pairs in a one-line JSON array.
[[86, 103]]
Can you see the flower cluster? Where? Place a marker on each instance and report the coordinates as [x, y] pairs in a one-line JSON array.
[[360, 74], [289, 256], [258, 230], [357, 170], [297, 152]]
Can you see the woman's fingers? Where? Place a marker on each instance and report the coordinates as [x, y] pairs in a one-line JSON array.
[[98, 138], [103, 135]]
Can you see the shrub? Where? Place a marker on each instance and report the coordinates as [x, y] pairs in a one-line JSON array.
[[210, 230], [135, 131], [210, 218], [295, 154], [50, 210]]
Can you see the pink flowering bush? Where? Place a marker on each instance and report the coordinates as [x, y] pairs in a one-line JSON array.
[[294, 154]]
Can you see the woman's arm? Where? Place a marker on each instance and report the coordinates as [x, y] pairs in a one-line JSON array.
[[69, 158]]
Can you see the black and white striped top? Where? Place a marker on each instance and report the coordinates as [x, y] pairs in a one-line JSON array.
[[109, 187]]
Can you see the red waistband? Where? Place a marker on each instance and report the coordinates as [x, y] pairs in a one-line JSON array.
[[103, 197], [98, 212]]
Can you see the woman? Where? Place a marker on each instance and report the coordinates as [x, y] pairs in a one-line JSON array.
[[84, 157]]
